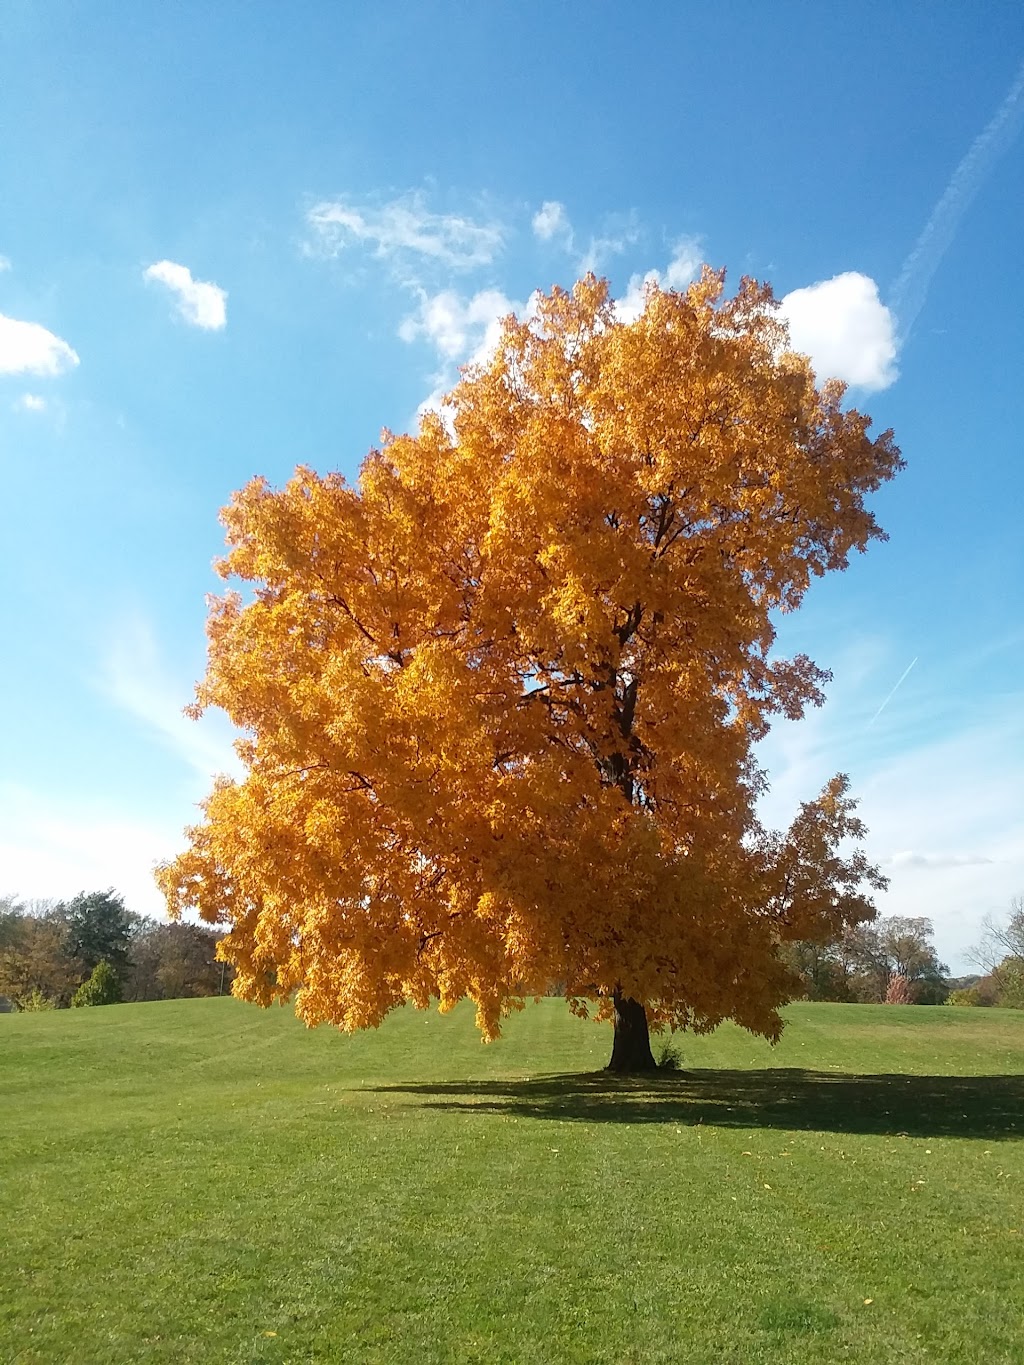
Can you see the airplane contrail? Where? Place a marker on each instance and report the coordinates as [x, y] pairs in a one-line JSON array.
[[911, 288], [902, 679]]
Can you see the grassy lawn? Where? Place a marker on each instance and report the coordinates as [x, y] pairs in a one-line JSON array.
[[200, 1181]]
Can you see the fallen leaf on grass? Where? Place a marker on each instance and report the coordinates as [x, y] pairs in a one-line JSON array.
[[867, 1301]]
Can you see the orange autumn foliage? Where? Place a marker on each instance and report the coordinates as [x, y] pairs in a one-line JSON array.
[[501, 696]]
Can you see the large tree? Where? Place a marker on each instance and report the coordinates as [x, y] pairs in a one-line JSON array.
[[501, 696]]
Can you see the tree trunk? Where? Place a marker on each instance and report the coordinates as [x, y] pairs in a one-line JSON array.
[[631, 1041]]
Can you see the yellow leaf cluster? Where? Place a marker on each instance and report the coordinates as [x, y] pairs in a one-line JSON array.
[[500, 697]]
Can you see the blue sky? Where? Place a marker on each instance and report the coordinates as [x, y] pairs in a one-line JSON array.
[[237, 237]]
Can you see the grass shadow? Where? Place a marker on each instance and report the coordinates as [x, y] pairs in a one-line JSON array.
[[988, 1107]]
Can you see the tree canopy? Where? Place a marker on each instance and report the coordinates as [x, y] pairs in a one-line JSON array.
[[500, 698]]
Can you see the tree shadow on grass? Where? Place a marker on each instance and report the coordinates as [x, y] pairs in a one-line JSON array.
[[989, 1107]]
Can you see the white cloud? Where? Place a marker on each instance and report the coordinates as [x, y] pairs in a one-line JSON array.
[[405, 229], [632, 303], [459, 328], [200, 303], [31, 402], [28, 348], [845, 329], [5, 263], [680, 271], [684, 267], [551, 221]]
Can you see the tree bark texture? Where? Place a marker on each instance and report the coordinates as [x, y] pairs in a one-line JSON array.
[[631, 1041]]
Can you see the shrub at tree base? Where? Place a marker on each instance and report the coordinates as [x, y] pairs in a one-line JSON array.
[[503, 695], [102, 988]]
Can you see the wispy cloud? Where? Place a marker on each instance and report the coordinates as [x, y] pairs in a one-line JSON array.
[[199, 302], [55, 847], [5, 264], [911, 288], [551, 223], [28, 348], [405, 230], [31, 402], [683, 267], [938, 789], [846, 329], [907, 858], [611, 243], [133, 676]]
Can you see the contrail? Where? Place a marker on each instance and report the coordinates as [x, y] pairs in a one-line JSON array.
[[902, 679], [911, 288]]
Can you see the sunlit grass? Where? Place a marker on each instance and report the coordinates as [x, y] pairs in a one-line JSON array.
[[201, 1181]]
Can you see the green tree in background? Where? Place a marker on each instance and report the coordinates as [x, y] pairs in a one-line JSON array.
[[102, 988], [1009, 982], [1000, 955], [99, 930]]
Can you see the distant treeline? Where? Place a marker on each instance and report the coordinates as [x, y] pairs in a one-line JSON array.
[[92, 950], [50, 952], [892, 960]]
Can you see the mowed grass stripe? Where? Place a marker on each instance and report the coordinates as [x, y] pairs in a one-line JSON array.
[[185, 1179]]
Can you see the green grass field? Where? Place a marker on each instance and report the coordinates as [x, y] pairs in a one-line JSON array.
[[200, 1181]]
